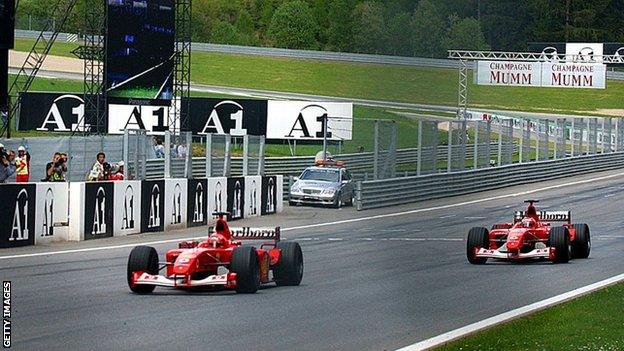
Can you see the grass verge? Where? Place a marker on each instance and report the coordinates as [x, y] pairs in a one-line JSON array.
[[591, 322]]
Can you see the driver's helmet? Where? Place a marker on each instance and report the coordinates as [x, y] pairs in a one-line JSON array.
[[528, 223]]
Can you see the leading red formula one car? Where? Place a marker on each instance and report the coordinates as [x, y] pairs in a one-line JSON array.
[[530, 236], [196, 264]]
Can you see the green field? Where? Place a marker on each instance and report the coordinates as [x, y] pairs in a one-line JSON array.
[[591, 322], [381, 82]]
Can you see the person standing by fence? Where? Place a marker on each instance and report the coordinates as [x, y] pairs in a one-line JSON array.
[[7, 164], [22, 165], [98, 170]]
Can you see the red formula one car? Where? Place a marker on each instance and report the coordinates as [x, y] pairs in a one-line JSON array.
[[198, 264], [530, 236]]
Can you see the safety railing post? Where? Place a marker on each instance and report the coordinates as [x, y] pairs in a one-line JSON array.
[[475, 151], [245, 155], [125, 157], [227, 157], [167, 173], [261, 156], [376, 152], [208, 156], [188, 164], [419, 150], [449, 150]]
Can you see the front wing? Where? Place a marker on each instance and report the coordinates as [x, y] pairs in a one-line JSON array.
[[228, 280], [548, 253]]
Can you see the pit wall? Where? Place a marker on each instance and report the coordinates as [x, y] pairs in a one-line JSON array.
[[40, 213]]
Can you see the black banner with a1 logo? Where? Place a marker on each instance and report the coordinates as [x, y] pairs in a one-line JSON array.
[[17, 222], [236, 197], [52, 112], [152, 206], [269, 195], [98, 210], [197, 202], [221, 116]]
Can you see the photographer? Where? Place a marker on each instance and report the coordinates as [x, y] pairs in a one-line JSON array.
[[7, 164], [55, 170]]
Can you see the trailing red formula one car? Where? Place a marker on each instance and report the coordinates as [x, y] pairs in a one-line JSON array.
[[530, 236], [196, 264]]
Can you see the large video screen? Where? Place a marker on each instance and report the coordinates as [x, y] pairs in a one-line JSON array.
[[7, 22], [140, 49]]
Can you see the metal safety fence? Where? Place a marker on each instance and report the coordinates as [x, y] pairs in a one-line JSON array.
[[398, 191]]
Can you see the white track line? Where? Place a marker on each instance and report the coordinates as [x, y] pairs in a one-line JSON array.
[[354, 220], [508, 316]]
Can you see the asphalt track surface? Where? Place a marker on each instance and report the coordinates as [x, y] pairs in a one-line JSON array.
[[372, 284]]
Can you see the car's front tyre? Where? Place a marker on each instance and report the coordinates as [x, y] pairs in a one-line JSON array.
[[142, 259], [478, 238]]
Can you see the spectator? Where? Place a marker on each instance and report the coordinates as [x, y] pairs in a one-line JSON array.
[[182, 151], [55, 170], [7, 164], [159, 149], [98, 171], [22, 164], [118, 171]]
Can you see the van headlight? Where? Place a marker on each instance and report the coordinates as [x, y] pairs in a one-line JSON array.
[[329, 191], [295, 189]]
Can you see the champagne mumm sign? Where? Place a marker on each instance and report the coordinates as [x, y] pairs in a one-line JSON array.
[[541, 74]]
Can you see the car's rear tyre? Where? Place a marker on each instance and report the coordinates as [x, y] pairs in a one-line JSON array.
[[559, 238], [245, 265], [289, 270], [478, 237], [142, 259], [581, 246]]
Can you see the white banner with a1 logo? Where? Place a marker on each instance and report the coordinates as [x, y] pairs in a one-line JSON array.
[[304, 120], [154, 119]]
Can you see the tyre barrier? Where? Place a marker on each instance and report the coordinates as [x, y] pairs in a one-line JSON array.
[[39, 213]]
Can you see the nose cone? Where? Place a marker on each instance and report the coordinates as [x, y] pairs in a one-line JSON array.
[[514, 240], [183, 265]]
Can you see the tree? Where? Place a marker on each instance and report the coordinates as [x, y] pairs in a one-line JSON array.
[[466, 34], [224, 33], [506, 24], [428, 30], [340, 31], [293, 26], [399, 35], [369, 28]]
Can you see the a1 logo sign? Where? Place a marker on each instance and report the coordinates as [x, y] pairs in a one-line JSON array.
[[154, 119]]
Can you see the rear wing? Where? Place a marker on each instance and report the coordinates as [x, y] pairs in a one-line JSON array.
[[247, 233], [547, 216]]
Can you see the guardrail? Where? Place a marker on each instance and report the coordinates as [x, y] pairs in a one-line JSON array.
[[398, 191], [309, 54]]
